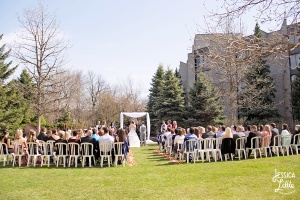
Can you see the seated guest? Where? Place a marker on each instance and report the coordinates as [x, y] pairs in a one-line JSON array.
[[238, 133], [261, 128], [6, 140], [266, 132], [91, 140], [171, 135], [248, 130], [183, 132], [19, 138], [94, 135], [43, 135], [62, 139], [233, 129], [179, 137], [227, 134], [209, 133], [275, 132], [187, 131], [285, 131], [81, 134], [54, 135], [214, 129], [32, 138], [67, 135], [106, 138], [297, 131], [191, 135], [197, 133], [101, 132], [221, 133], [165, 136], [75, 139], [121, 137], [253, 133], [201, 131], [111, 132]]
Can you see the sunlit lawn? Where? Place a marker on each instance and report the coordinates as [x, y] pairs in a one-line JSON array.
[[154, 177]]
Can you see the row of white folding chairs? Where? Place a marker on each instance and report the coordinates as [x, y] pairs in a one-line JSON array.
[[48, 152]]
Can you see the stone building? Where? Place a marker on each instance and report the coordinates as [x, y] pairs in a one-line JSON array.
[[282, 71]]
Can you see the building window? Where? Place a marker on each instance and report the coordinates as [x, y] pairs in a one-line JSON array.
[[295, 60]]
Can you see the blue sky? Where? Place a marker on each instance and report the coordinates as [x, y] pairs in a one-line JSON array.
[[121, 38]]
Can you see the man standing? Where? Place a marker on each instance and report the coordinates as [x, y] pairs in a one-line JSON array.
[[43, 135], [91, 140], [164, 125], [209, 133], [143, 133], [137, 128]]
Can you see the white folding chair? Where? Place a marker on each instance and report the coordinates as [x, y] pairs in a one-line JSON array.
[[87, 152], [240, 146], [62, 149], [266, 145], [18, 151], [105, 152], [47, 152], [277, 139], [180, 146], [199, 150], [216, 147], [33, 151], [169, 147], [119, 152], [4, 152], [296, 143], [255, 146], [74, 152], [286, 144], [189, 149]]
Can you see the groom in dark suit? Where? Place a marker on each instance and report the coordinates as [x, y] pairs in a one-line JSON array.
[[138, 128]]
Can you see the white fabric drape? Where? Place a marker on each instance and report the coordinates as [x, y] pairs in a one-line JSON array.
[[136, 115]]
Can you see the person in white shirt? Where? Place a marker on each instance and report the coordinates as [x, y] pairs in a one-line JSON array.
[[166, 135], [106, 138], [178, 140], [163, 126]]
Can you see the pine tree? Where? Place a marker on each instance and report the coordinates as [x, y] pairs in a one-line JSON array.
[[258, 77], [170, 102], [295, 94], [205, 103], [156, 86], [27, 86], [10, 99], [176, 74]]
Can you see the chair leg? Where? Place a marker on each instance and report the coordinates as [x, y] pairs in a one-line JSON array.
[[245, 154], [239, 153], [28, 161], [57, 161], [34, 158], [90, 159], [101, 161], [4, 157]]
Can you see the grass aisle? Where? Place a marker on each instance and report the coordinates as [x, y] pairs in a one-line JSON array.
[[153, 177]]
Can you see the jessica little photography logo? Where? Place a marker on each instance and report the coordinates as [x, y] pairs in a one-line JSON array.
[[284, 180]]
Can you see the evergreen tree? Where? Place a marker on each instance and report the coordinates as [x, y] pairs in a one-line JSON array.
[[205, 105], [295, 94], [258, 77], [27, 86], [156, 85], [176, 74], [10, 99], [170, 101]]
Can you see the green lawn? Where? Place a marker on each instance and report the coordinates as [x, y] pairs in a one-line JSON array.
[[154, 177]]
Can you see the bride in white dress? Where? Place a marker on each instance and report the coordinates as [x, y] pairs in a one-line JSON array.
[[134, 140]]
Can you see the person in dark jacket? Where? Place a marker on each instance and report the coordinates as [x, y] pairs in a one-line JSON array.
[[43, 135], [252, 134], [209, 133], [91, 140]]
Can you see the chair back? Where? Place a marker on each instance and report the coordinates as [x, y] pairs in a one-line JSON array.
[[119, 148], [62, 149], [18, 149], [169, 141], [287, 140], [207, 144], [105, 149], [190, 146], [199, 144], [266, 141], [216, 143], [74, 149], [277, 140], [255, 142], [240, 143], [180, 143], [47, 148], [41, 141], [298, 139], [87, 149], [227, 146], [32, 148], [3, 149]]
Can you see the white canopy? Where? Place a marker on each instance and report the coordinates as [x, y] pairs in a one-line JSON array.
[[136, 115]]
